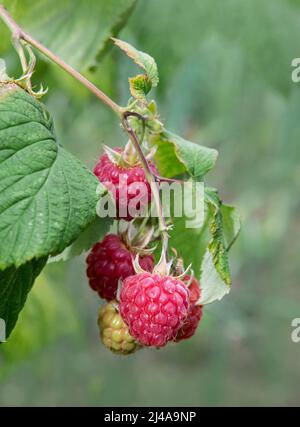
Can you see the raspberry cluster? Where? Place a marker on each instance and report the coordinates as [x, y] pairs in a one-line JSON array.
[[147, 308]]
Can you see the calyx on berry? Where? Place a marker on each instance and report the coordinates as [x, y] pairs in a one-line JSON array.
[[127, 157], [164, 267]]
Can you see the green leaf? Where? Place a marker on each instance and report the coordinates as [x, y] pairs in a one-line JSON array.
[[165, 157], [91, 235], [77, 31], [224, 222], [143, 60], [212, 286], [207, 262], [211, 243], [231, 224], [139, 86], [47, 197], [15, 283], [181, 238], [176, 155], [181, 235], [216, 245]]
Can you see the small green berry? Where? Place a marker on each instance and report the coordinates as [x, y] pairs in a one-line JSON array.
[[114, 332]]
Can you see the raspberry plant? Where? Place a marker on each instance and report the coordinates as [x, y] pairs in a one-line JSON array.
[[48, 201]]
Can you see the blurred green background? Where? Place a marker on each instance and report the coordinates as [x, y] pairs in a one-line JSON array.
[[225, 82]]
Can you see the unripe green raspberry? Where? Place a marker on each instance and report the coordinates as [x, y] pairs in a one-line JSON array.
[[114, 332]]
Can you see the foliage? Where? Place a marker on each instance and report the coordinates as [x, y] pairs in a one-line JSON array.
[[48, 197], [79, 34], [15, 284]]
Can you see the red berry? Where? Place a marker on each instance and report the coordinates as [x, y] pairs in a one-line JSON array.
[[109, 261], [154, 307], [125, 182], [194, 289], [194, 314]]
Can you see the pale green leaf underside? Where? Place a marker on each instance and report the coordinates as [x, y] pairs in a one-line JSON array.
[[213, 285], [15, 283], [176, 155], [47, 197], [76, 30], [213, 288]]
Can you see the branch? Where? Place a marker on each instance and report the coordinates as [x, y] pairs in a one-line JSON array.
[[19, 34]]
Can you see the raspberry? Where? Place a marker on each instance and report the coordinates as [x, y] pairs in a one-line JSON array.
[[127, 179], [154, 307], [194, 315], [114, 332], [194, 289], [109, 261]]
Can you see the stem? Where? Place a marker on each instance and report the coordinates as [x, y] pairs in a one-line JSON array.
[[159, 178], [19, 34], [20, 51], [150, 178]]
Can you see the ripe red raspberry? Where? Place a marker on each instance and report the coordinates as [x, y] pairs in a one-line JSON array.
[[124, 183], [154, 307], [194, 314], [109, 261]]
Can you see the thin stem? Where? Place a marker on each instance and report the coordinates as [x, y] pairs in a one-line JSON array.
[[20, 51], [19, 34], [150, 178], [159, 178]]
